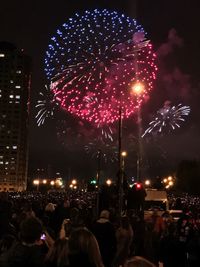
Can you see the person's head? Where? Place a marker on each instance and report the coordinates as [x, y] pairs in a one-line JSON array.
[[105, 214], [6, 242], [50, 207], [58, 253], [83, 247], [139, 262], [30, 230]]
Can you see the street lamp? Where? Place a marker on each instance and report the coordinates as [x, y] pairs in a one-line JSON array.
[[108, 182], [138, 89], [44, 181], [74, 181], [98, 180], [147, 182], [120, 178], [124, 154], [37, 183]]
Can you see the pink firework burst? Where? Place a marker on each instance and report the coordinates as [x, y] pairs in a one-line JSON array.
[[93, 63]]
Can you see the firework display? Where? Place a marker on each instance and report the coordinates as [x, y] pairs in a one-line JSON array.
[[46, 105], [94, 60], [108, 150], [168, 117]]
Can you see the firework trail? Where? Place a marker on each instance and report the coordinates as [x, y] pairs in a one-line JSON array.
[[168, 117], [46, 106]]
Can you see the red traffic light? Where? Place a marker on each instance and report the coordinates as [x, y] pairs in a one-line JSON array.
[[138, 186]]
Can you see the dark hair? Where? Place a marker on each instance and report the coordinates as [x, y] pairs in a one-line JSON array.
[[30, 230], [84, 249], [139, 262], [58, 253], [6, 243]]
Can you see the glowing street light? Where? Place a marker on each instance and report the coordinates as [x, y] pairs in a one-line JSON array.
[[44, 181], [137, 88], [165, 180], [169, 178], [147, 182], [124, 153], [36, 182], [108, 182], [74, 181], [71, 186], [52, 183]]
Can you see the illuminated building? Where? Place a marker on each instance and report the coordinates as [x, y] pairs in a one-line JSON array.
[[14, 99]]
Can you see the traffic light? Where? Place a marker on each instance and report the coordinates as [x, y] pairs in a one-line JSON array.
[[136, 196], [138, 186], [92, 185]]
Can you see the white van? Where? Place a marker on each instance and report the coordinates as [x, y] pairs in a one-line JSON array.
[[155, 200]]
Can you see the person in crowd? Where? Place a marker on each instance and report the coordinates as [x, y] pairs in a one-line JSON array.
[[193, 249], [124, 235], [83, 249], [170, 253], [62, 212], [5, 214], [139, 262], [26, 252], [105, 234], [6, 243], [184, 233], [57, 255]]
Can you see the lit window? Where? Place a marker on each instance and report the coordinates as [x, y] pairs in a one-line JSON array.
[[14, 147], [6, 162], [19, 71], [17, 96], [0, 95], [2, 55], [7, 147], [17, 102], [1, 162], [11, 96], [1, 157], [17, 86], [10, 102], [11, 81]]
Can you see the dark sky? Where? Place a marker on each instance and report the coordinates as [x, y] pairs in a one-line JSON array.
[[30, 24]]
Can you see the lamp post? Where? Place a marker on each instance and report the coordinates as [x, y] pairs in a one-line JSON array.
[[98, 180], [138, 89], [37, 183], [121, 178], [124, 154]]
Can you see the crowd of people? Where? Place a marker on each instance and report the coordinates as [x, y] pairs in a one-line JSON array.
[[63, 229]]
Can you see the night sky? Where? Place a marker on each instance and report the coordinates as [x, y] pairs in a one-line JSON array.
[[172, 26]]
